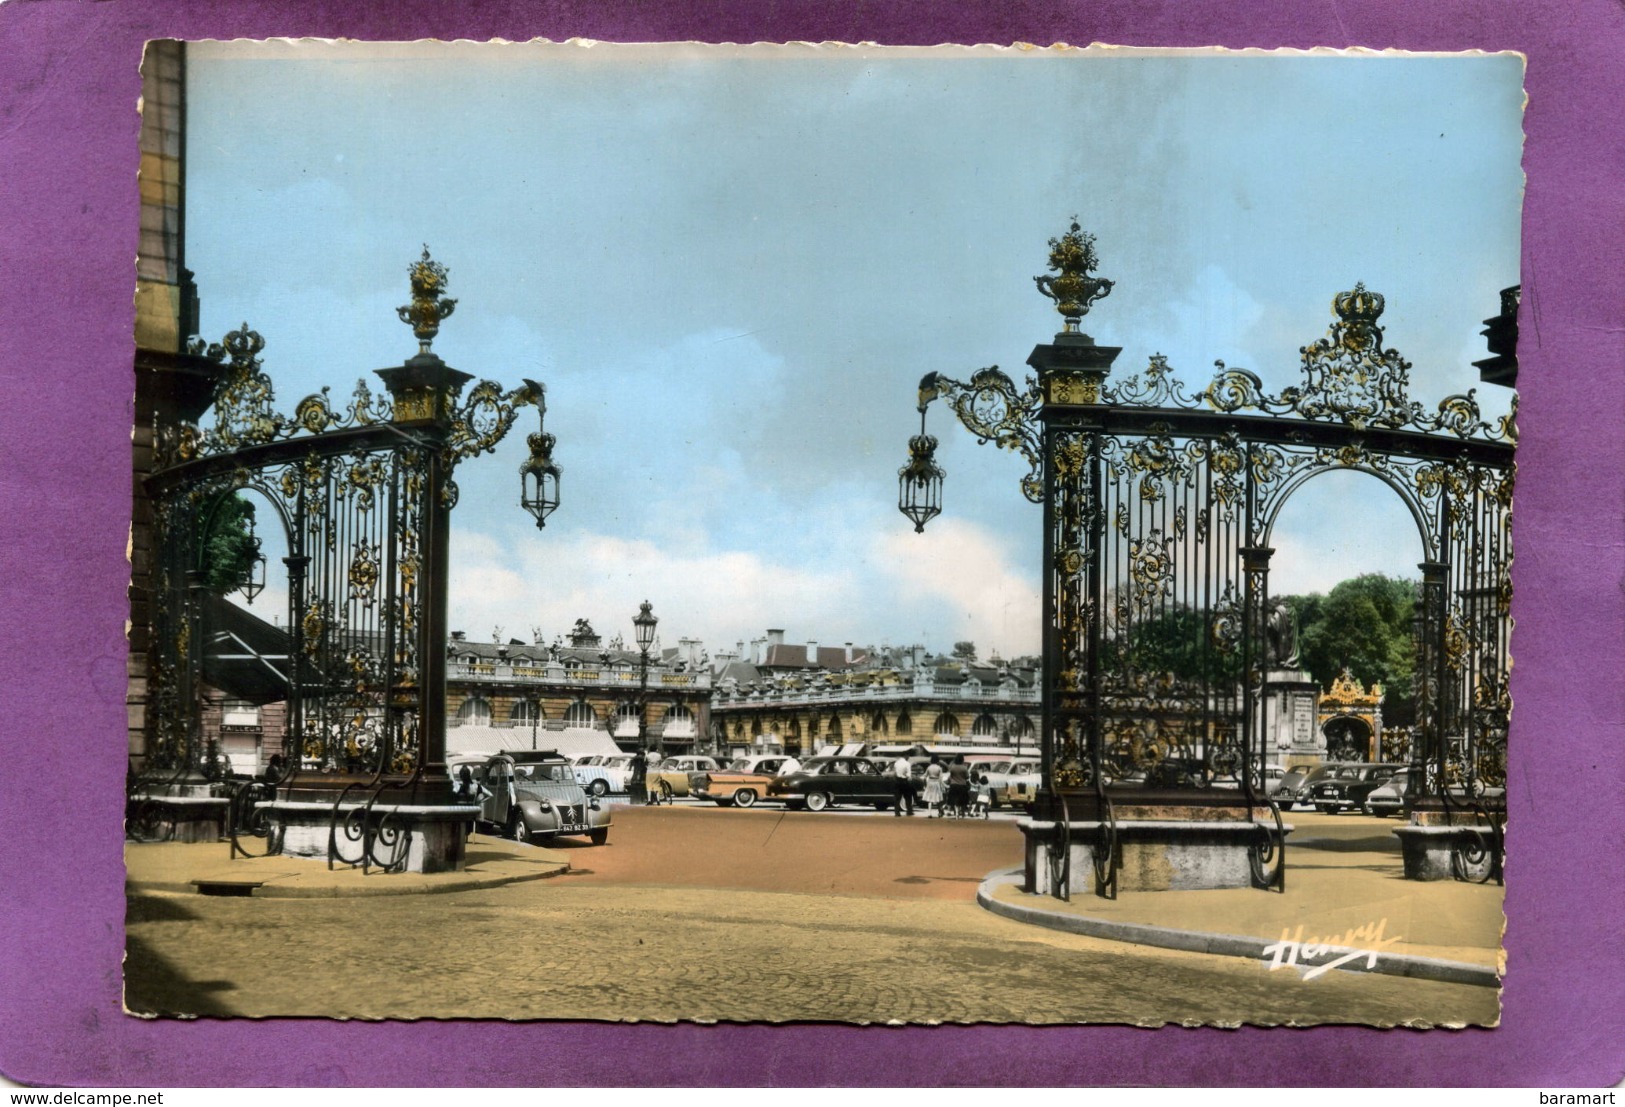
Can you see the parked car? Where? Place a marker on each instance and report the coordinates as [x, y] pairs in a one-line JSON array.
[[1015, 781], [1272, 777], [1171, 772], [823, 782], [1316, 774], [1388, 798], [742, 783], [671, 777], [535, 795], [1291, 783], [617, 770], [1348, 787], [592, 775]]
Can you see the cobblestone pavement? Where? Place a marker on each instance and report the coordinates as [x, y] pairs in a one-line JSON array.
[[597, 945]]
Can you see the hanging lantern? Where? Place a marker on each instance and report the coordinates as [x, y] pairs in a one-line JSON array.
[[539, 476], [253, 582], [919, 483]]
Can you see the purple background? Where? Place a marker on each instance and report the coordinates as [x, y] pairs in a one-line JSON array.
[[68, 147]]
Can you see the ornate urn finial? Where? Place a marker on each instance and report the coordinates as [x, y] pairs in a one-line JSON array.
[[1072, 257], [428, 306]]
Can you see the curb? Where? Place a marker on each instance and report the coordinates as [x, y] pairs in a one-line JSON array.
[[270, 890], [1223, 945]]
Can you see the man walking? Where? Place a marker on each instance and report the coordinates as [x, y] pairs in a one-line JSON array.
[[903, 785]]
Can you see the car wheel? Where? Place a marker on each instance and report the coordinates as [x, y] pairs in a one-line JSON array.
[[516, 828], [819, 801], [745, 797], [1326, 808], [599, 787], [599, 836]]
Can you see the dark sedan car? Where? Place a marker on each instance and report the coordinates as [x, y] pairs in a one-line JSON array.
[[1348, 787], [825, 781]]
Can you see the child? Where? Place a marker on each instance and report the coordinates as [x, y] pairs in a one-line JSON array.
[[984, 797]]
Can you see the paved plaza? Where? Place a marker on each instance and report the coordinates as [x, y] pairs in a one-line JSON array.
[[709, 915]]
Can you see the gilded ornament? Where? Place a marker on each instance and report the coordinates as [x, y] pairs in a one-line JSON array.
[[1071, 284], [429, 307], [364, 574], [313, 625], [414, 404]]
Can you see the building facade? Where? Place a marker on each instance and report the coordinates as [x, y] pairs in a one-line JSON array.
[[564, 692], [801, 699]]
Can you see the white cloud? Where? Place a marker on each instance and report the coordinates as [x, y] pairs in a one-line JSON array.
[[960, 577]]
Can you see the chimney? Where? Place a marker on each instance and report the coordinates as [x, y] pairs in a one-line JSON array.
[[458, 635], [849, 653], [812, 653], [775, 637]]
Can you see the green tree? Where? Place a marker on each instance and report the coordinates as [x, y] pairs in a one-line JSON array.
[[1177, 640], [229, 550], [1363, 625], [965, 651]]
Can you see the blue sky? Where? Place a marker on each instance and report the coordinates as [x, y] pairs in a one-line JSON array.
[[731, 266]]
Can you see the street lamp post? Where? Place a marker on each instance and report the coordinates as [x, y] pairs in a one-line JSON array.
[[644, 623]]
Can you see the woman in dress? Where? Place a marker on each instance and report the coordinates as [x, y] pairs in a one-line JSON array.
[[933, 787]]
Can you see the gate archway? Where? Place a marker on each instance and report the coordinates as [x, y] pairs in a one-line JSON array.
[[1160, 630]]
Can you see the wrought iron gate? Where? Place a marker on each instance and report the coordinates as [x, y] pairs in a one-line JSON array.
[[363, 493], [1159, 503]]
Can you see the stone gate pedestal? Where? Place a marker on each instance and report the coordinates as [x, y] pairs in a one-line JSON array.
[[1161, 845], [181, 811], [1448, 845], [428, 838]]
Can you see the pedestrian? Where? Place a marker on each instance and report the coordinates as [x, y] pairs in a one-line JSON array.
[[959, 787], [470, 793], [984, 796], [637, 787], [933, 787], [274, 768], [903, 782]]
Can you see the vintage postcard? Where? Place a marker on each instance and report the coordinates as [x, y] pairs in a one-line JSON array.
[[822, 533]]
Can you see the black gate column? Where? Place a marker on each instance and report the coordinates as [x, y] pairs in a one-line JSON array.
[[424, 391]]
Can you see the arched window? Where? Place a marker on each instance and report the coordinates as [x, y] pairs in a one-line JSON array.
[[626, 720], [905, 726], [877, 725], [525, 712], [946, 726], [679, 722], [834, 728], [476, 711], [984, 727], [580, 713]]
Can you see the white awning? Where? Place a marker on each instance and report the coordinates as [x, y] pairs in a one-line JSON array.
[[572, 741]]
